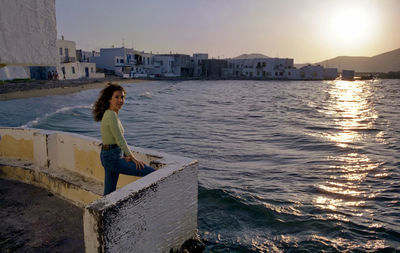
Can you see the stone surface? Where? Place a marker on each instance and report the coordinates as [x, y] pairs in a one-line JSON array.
[[34, 220]]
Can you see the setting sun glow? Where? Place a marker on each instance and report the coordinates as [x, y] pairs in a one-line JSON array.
[[350, 27]]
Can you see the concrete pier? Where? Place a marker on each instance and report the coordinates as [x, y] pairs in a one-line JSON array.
[[155, 213]]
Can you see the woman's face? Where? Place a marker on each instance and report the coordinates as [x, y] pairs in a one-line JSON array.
[[117, 100]]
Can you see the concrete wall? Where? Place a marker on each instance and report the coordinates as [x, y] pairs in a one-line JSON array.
[[28, 32], [154, 213], [25, 144], [58, 155], [14, 72]]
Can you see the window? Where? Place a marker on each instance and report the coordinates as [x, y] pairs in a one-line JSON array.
[[91, 69], [73, 70], [60, 50], [66, 52], [63, 70]]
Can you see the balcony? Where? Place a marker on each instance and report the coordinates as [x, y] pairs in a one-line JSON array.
[[67, 59]]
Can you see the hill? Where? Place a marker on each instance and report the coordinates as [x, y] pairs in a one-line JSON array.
[[389, 61], [251, 56]]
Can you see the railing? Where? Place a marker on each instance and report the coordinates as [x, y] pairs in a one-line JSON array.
[[67, 59]]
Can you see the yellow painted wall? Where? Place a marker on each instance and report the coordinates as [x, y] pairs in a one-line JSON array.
[[89, 164], [64, 189], [16, 148]]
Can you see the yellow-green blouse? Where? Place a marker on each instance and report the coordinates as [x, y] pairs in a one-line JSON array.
[[112, 131]]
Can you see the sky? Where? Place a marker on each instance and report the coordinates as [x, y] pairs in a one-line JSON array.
[[308, 31]]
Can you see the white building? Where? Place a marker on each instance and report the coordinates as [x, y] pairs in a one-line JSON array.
[[263, 68], [69, 67], [28, 36], [197, 58], [305, 73], [85, 56], [172, 65], [330, 73], [348, 75], [118, 61], [143, 64]]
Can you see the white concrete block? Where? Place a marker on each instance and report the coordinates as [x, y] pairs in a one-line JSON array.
[[153, 214]]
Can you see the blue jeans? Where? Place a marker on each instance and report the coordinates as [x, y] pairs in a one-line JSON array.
[[114, 164]]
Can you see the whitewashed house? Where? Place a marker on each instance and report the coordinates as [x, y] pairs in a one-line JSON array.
[[348, 75], [330, 73], [69, 67], [85, 56], [143, 64], [172, 65], [306, 73], [118, 61], [262, 68], [197, 58]]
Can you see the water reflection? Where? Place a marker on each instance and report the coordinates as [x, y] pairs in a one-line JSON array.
[[349, 108], [351, 117]]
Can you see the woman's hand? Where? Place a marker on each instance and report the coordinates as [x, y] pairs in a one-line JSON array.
[[139, 164]]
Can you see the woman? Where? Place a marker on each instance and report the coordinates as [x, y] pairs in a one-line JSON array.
[[116, 157]]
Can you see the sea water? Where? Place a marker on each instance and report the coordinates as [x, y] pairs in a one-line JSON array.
[[302, 166]]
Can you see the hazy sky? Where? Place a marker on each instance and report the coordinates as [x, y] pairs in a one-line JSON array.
[[306, 30]]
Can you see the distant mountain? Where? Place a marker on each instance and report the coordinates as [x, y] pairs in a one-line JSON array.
[[251, 56], [389, 61]]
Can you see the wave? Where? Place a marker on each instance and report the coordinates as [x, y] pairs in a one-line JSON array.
[[36, 121], [147, 94]]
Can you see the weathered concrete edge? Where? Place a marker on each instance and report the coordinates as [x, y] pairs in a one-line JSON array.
[[126, 192], [94, 215], [44, 179]]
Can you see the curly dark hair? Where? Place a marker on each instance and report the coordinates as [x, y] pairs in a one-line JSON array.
[[103, 102]]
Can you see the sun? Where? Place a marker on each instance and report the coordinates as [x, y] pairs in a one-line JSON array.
[[349, 27]]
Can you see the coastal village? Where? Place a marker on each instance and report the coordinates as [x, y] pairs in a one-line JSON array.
[[52, 177], [125, 62]]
